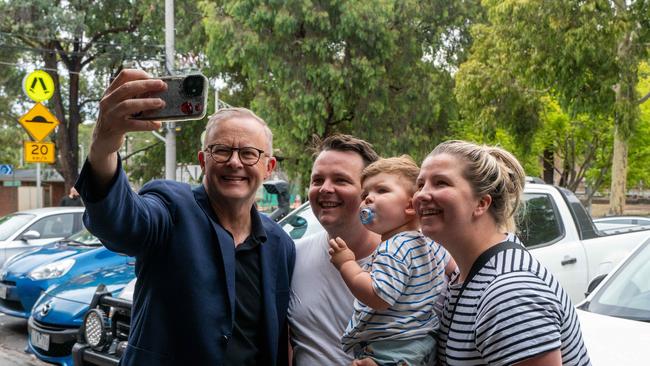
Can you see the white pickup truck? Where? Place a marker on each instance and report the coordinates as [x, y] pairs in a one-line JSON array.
[[554, 226]]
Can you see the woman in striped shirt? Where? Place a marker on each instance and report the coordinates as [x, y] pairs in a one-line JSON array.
[[503, 308]]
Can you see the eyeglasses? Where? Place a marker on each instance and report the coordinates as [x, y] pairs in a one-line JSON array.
[[247, 155]]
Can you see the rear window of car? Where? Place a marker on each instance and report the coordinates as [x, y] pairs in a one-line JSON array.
[[538, 222]]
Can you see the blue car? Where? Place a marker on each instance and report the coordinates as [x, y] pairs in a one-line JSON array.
[[27, 275], [59, 312]]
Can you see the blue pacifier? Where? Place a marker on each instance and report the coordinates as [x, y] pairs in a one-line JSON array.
[[367, 215]]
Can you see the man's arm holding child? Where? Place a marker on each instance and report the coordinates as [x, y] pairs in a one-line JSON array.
[[358, 281]]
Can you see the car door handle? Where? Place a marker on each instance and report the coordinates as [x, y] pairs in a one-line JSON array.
[[568, 260]]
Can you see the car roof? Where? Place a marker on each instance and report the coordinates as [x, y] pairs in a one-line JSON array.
[[50, 210], [607, 218]]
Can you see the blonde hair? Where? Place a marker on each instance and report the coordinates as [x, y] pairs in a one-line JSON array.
[[402, 166], [493, 171], [225, 114]]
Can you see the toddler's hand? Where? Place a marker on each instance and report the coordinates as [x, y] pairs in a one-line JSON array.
[[340, 252]]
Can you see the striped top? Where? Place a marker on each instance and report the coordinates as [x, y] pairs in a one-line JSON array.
[[513, 309], [407, 272]]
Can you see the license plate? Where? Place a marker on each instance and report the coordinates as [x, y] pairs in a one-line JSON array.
[[3, 291], [40, 340]]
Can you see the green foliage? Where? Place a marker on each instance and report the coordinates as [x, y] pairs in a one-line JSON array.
[[11, 137], [360, 67], [582, 144], [527, 154], [568, 46], [491, 97], [582, 54], [149, 164], [88, 43], [80, 44]]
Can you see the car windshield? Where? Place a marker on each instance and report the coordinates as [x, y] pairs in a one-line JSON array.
[[627, 293], [301, 222], [83, 237], [11, 223]]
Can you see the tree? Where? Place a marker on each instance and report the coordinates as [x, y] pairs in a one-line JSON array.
[[492, 96], [582, 145], [585, 54], [81, 45], [379, 70]]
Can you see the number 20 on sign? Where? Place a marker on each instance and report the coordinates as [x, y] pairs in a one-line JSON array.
[[39, 152]]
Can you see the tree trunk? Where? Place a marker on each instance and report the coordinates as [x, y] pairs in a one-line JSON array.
[[619, 174], [70, 160], [625, 117], [66, 137], [548, 164], [56, 103]]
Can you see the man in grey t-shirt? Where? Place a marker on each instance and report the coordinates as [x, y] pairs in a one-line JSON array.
[[321, 304]]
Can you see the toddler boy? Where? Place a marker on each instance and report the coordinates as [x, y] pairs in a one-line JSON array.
[[394, 316]]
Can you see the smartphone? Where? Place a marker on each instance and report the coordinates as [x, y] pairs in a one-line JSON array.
[[185, 99]]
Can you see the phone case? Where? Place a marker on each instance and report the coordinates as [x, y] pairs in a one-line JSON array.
[[185, 99]]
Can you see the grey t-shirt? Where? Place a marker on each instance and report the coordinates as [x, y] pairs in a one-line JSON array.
[[320, 306]]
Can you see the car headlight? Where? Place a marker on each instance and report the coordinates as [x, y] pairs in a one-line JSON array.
[[95, 331], [52, 270]]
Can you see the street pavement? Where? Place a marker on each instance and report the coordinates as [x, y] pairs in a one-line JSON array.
[[13, 338]]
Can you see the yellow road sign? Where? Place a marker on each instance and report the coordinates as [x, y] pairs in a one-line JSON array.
[[39, 152], [39, 86], [39, 122]]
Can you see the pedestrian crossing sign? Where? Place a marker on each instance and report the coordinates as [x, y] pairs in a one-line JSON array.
[[39, 86]]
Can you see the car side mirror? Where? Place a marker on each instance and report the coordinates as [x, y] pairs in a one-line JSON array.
[[594, 283], [30, 235]]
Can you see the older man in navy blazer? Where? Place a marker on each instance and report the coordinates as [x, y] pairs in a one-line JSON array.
[[213, 274]]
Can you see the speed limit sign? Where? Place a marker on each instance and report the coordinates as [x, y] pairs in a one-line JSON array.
[[39, 152]]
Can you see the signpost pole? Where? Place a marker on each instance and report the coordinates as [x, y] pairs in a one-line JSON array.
[[38, 185], [38, 122], [170, 136]]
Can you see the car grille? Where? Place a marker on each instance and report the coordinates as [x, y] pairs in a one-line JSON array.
[[122, 326], [53, 327], [56, 349], [12, 305]]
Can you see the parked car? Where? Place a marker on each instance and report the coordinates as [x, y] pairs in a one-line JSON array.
[[620, 222], [101, 341], [554, 226], [615, 317], [26, 275], [59, 312], [301, 222], [26, 230]]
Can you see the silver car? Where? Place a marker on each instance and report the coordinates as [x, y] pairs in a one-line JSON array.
[[610, 223], [30, 229], [615, 317]]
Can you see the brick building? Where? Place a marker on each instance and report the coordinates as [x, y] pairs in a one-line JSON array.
[[18, 190]]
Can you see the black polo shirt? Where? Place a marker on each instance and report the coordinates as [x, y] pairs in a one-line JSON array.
[[243, 347]]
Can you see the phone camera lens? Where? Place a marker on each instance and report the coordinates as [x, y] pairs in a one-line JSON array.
[[193, 86]]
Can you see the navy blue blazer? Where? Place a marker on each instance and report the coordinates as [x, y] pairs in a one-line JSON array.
[[184, 299]]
